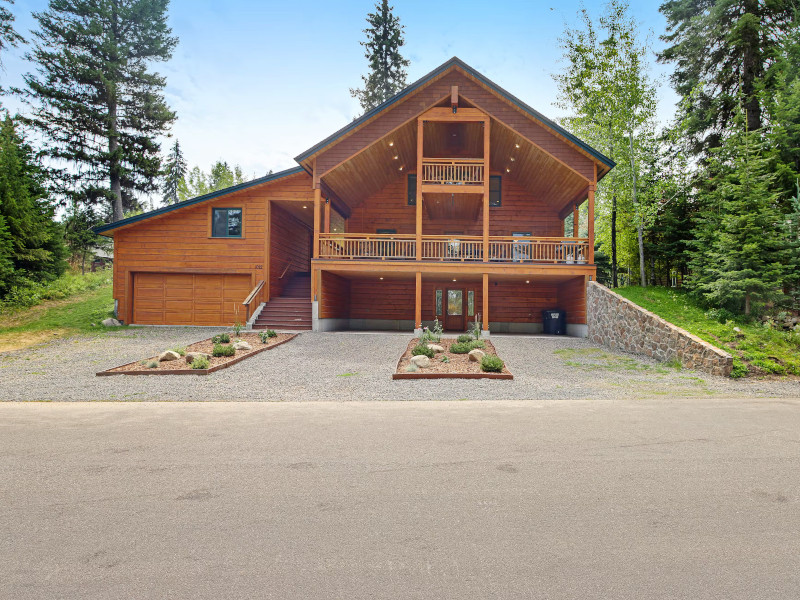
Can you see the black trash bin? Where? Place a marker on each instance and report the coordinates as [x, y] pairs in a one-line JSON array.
[[554, 322]]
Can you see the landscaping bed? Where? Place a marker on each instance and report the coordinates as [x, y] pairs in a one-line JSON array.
[[180, 366], [456, 366]]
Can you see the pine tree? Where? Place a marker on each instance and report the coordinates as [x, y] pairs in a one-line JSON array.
[[8, 36], [97, 105], [722, 51], [37, 251], [174, 174], [741, 247], [80, 238], [387, 67]]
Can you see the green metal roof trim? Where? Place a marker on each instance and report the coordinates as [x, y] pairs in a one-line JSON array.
[[455, 61], [160, 211]]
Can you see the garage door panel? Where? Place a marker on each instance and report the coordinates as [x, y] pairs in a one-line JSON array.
[[188, 299]]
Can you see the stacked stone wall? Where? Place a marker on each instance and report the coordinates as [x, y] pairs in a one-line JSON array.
[[620, 324]]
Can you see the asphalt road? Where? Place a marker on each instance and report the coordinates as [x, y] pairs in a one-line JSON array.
[[667, 498]]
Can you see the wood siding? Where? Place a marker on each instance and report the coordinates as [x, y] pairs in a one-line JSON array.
[[290, 247], [478, 95], [335, 297], [180, 242], [389, 209], [572, 298]]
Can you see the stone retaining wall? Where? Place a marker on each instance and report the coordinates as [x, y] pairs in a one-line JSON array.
[[622, 325]]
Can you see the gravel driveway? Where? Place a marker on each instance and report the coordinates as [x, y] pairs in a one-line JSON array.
[[350, 366]]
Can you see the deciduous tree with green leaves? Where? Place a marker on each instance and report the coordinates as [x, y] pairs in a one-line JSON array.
[[219, 177], [95, 99], [387, 67]]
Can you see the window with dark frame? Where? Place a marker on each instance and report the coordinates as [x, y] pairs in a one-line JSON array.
[[412, 189], [495, 190], [226, 223]]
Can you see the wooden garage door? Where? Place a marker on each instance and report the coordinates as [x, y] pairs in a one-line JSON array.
[[187, 299]]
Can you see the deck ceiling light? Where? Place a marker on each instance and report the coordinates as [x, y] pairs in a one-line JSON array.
[[391, 144], [527, 281], [508, 170], [513, 159], [304, 206], [400, 169], [381, 278], [453, 279], [516, 146]]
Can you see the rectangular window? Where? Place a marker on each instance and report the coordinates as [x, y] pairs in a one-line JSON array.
[[495, 190], [455, 302], [412, 189], [386, 231], [471, 303], [226, 223], [438, 303]]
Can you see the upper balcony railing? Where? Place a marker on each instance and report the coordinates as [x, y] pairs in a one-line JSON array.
[[502, 249], [452, 171]]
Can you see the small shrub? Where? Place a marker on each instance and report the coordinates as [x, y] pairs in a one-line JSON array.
[[237, 328], [264, 336], [201, 362], [739, 369], [180, 350], [438, 329], [272, 333], [445, 359], [412, 368], [220, 350], [477, 344], [222, 338], [492, 364], [465, 338], [427, 336], [421, 349], [153, 364], [462, 348]]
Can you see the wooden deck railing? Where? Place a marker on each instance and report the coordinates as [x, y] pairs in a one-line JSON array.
[[250, 298], [510, 249], [453, 171]]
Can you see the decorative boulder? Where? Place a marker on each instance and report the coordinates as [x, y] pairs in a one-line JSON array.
[[242, 345], [111, 323], [168, 355], [476, 355], [421, 361], [190, 356], [436, 348]]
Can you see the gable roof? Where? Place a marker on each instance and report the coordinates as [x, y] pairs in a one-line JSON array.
[[450, 64], [102, 229]]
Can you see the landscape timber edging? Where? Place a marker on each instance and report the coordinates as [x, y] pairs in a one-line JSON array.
[[618, 323], [417, 375], [230, 363]]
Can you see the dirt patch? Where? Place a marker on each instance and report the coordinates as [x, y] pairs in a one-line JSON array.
[[455, 365], [206, 346], [24, 339]]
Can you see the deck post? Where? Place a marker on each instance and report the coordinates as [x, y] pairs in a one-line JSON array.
[[486, 180], [420, 127], [485, 325], [418, 304], [267, 248], [576, 217], [591, 217]]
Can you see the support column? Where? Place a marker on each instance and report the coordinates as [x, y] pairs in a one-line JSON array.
[[420, 127], [591, 217], [267, 251], [317, 201], [418, 304], [576, 217], [486, 180], [485, 325]]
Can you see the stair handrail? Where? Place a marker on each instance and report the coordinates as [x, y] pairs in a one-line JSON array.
[[251, 296]]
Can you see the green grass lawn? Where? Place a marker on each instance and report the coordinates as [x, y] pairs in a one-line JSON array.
[[756, 349], [58, 318]]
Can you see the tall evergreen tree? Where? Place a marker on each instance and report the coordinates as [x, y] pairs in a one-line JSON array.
[[174, 174], [741, 246], [80, 238], [722, 50], [8, 36], [94, 99], [37, 251], [387, 67]]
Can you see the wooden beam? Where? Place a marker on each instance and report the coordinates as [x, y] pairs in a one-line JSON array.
[[418, 302], [576, 200], [317, 202], [315, 178], [486, 180], [576, 221], [442, 113], [485, 302], [454, 98], [420, 129], [591, 217], [267, 244], [447, 269]]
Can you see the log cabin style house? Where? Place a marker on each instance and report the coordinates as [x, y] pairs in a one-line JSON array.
[[447, 201]]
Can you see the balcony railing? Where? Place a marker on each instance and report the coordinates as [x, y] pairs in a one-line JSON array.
[[504, 249], [452, 171]]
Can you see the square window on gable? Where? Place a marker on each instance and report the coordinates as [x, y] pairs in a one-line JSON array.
[[226, 223], [495, 190]]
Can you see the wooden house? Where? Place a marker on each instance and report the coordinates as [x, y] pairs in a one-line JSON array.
[[447, 201]]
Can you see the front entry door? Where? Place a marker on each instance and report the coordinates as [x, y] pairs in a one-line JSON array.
[[454, 316]]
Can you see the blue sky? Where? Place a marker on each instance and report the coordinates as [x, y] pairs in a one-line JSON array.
[[256, 83]]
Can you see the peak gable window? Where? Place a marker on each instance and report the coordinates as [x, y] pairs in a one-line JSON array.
[[226, 223]]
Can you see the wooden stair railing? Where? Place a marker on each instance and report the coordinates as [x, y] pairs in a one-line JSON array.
[[250, 297]]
